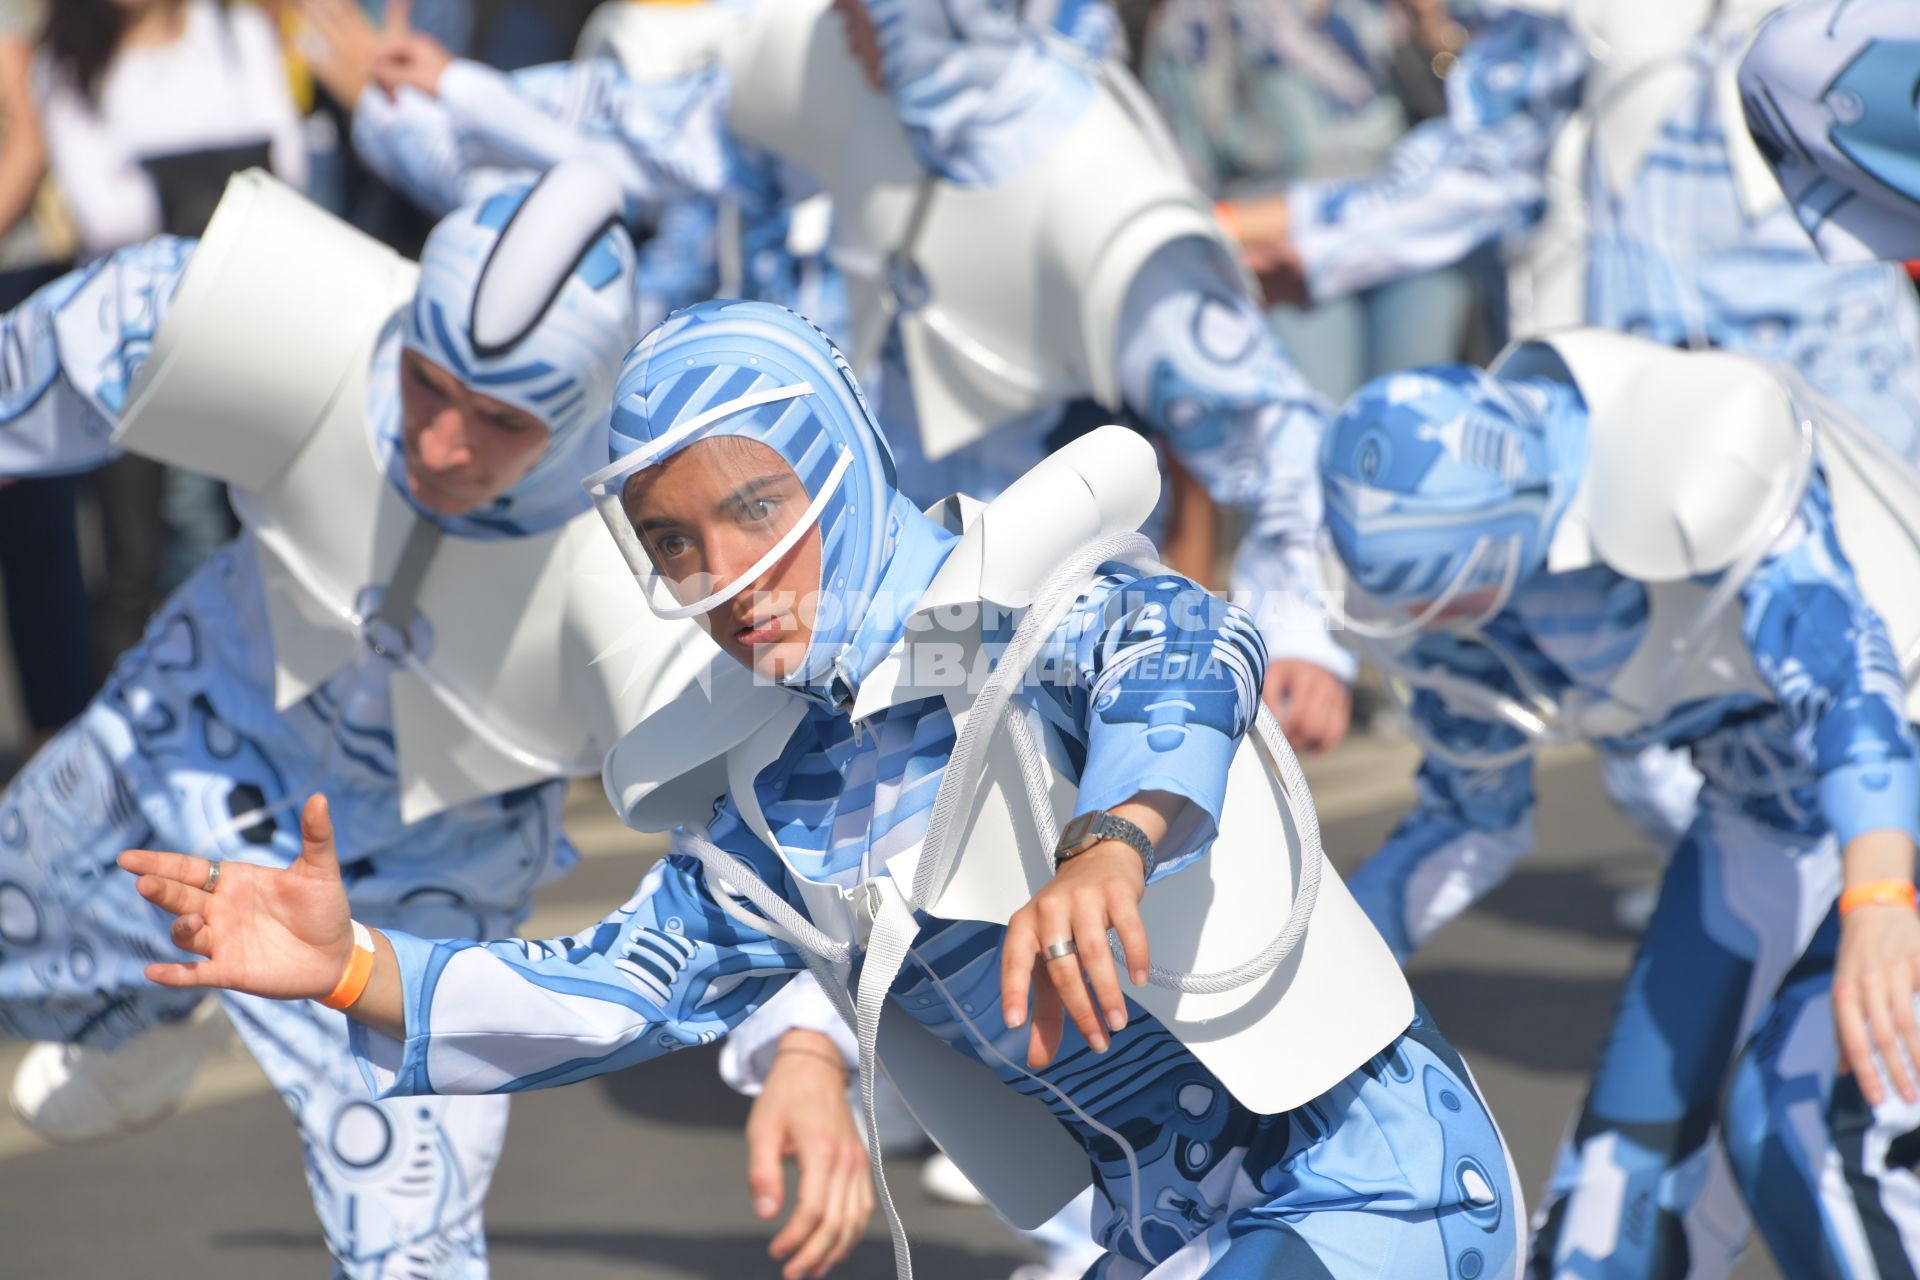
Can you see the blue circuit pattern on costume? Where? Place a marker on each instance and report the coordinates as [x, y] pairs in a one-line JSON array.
[[1827, 756], [1197, 365], [1400, 1151], [1828, 89], [1676, 256], [184, 741]]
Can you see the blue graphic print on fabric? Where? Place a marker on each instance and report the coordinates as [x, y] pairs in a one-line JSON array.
[[1676, 255], [185, 749], [1831, 752], [1174, 1156], [1196, 361], [72, 350]]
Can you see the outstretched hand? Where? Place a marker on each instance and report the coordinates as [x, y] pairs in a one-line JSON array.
[[285, 934]]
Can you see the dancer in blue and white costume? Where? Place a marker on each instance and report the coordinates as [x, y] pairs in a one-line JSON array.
[[1023, 146], [1829, 90], [1603, 139], [1600, 140], [406, 460], [737, 239], [1539, 553], [838, 741]]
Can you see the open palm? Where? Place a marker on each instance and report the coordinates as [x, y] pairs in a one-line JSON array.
[[283, 934]]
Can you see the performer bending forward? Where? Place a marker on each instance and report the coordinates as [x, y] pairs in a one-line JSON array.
[[1293, 1113]]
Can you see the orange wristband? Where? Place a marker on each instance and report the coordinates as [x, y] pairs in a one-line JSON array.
[[1879, 893], [353, 983], [1229, 219]]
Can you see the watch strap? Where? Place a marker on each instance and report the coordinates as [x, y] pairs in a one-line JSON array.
[[1102, 825]]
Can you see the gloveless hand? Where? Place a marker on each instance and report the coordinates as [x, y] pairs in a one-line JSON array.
[[802, 1115], [1314, 706], [345, 46], [1093, 892], [1875, 975], [284, 934]]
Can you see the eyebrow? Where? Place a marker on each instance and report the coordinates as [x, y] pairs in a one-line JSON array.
[[508, 416], [754, 488], [745, 493]]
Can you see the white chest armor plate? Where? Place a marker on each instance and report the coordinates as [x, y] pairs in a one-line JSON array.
[[1645, 60], [1275, 1042], [1008, 297], [1667, 507], [259, 377]]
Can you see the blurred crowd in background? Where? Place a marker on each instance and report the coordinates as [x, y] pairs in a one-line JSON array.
[[122, 119]]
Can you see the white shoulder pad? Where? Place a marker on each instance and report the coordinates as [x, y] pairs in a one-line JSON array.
[[277, 307], [654, 42], [1103, 483], [1690, 455], [669, 768]]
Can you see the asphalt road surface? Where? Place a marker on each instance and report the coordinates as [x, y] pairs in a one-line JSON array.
[[642, 1174]]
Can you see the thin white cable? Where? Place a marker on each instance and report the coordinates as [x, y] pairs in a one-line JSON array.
[[893, 914], [1137, 1218]]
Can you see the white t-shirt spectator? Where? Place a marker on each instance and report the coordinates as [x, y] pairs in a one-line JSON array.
[[222, 85]]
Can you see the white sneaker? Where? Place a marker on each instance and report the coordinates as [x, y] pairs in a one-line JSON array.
[[941, 1178], [69, 1094]]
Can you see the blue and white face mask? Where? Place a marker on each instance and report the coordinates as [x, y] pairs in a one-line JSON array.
[[749, 421], [527, 297], [1829, 90], [1442, 487]]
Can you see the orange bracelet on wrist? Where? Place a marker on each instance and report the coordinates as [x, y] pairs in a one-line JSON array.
[[353, 983], [1879, 893], [1229, 219]]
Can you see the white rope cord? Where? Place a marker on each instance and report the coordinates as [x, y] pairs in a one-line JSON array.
[[960, 781], [1057, 596], [894, 926], [781, 920]]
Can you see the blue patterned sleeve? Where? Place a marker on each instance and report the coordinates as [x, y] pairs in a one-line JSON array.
[[1470, 822], [1826, 655], [981, 92], [71, 352], [1473, 175], [1200, 367], [667, 970], [660, 141], [1161, 680], [410, 141]]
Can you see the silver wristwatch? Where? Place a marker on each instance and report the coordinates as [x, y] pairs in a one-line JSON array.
[[1089, 829]]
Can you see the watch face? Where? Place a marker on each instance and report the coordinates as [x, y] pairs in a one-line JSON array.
[[1077, 831]]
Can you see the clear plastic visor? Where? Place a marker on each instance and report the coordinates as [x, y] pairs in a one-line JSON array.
[[1476, 591], [702, 518]]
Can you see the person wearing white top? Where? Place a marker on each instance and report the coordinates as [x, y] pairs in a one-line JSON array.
[[148, 106], [140, 83]]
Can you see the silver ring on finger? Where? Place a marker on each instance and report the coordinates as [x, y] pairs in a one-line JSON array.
[[1062, 949], [213, 876]]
